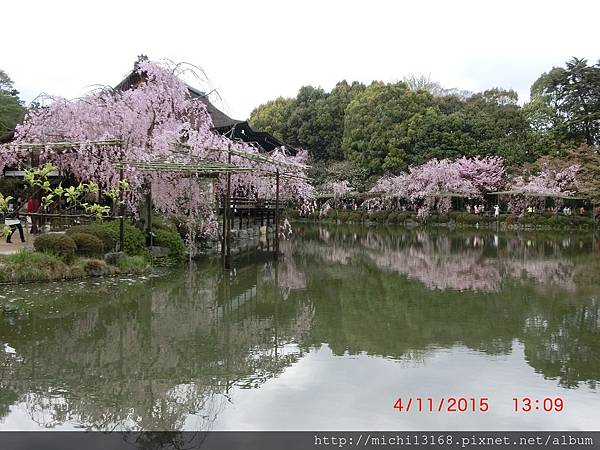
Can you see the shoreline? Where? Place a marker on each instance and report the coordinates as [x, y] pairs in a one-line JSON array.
[[453, 220], [37, 267]]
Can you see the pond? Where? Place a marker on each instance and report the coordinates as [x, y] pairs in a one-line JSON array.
[[346, 322]]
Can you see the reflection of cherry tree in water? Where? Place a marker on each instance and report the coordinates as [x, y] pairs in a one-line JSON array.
[[284, 273], [481, 262], [162, 355], [432, 261], [362, 310]]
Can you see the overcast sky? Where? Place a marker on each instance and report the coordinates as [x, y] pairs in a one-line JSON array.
[[254, 51]]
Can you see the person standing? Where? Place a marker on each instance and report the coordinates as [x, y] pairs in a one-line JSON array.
[[33, 206]]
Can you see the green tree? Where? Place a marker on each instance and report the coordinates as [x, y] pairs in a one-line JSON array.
[[272, 117], [306, 125], [11, 107], [487, 123], [565, 102], [380, 125], [313, 120], [330, 112]]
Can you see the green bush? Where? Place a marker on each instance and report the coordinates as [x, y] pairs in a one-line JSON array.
[[162, 222], [555, 221], [438, 218], [392, 217], [134, 238], [59, 244], [171, 240], [87, 244], [98, 230], [345, 216], [27, 265], [378, 216], [133, 264]]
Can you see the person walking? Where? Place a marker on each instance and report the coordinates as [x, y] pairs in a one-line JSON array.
[[12, 220]]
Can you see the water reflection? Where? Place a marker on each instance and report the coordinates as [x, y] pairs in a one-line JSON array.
[[147, 355], [166, 353], [461, 261]]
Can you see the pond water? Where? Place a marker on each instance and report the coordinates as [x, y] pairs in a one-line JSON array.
[[348, 320]]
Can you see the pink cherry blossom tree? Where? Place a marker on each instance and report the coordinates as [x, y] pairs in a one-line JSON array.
[[546, 183], [431, 185], [156, 120]]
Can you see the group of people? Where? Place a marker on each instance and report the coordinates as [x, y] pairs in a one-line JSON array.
[[531, 209], [476, 209]]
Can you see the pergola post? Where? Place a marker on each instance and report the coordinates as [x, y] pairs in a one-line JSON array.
[[149, 213], [227, 214], [121, 208], [276, 249]]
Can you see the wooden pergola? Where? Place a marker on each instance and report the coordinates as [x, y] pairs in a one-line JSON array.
[[184, 163], [193, 166], [178, 162], [545, 196]]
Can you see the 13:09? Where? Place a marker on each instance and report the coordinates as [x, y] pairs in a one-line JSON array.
[[548, 404]]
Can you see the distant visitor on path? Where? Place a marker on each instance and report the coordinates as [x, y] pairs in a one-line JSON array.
[[12, 220], [33, 205]]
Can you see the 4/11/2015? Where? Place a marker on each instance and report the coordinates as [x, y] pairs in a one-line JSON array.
[[444, 404], [473, 404]]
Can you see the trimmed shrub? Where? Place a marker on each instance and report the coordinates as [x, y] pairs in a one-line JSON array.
[[134, 238], [59, 244], [87, 244], [95, 268], [98, 230], [171, 240]]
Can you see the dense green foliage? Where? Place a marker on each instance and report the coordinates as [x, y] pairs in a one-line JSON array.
[[87, 244], [565, 102], [97, 230], [11, 107], [133, 264], [134, 239], [385, 127], [313, 120], [171, 240], [56, 243], [453, 219]]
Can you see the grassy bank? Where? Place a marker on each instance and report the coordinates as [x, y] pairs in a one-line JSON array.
[[545, 221], [28, 266]]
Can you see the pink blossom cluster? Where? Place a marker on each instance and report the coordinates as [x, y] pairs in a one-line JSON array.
[[548, 181], [156, 120], [431, 185], [339, 188]]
